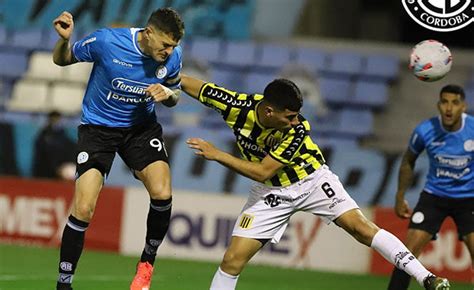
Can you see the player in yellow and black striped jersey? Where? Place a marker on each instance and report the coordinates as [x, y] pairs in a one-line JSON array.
[[278, 152], [292, 147]]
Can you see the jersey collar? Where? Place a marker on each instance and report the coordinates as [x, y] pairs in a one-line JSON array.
[[134, 32]]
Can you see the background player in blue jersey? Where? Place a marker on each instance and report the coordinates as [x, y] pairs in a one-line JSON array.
[[449, 191], [133, 69]]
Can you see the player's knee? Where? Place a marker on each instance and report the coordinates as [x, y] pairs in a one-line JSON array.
[[83, 211], [232, 264], [364, 232], [160, 191]]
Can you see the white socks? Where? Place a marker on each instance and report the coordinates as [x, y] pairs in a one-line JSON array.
[[223, 281], [394, 251]]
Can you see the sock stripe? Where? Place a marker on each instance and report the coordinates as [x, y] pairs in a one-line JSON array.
[[160, 208], [76, 227]]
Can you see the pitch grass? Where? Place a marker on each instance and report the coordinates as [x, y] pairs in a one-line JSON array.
[[23, 268]]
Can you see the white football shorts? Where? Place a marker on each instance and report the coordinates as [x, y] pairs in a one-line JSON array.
[[268, 209]]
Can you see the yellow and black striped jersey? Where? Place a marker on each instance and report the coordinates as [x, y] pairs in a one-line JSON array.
[[294, 148]]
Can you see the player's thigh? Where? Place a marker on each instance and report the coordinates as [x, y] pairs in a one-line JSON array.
[[416, 240], [157, 179], [86, 193], [428, 214], [462, 214]]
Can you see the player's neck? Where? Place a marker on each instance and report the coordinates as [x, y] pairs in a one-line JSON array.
[[454, 127], [141, 41]]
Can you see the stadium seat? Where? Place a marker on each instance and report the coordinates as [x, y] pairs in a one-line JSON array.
[[29, 96], [312, 59], [381, 67], [32, 39], [3, 36], [273, 56], [240, 54], [344, 63], [370, 94], [228, 78], [255, 83], [5, 92], [13, 64], [41, 66], [67, 97], [358, 123], [78, 72], [206, 49], [210, 119], [335, 91]]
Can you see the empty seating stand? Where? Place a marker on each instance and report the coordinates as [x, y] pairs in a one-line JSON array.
[[13, 63]]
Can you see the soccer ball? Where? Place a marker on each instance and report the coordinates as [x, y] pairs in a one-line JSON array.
[[430, 60]]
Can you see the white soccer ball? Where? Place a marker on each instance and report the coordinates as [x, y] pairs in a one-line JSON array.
[[430, 60]]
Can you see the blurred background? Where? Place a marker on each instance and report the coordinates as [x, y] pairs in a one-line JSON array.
[[349, 57]]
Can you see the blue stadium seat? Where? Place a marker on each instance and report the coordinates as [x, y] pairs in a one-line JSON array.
[[370, 94], [210, 119], [357, 123], [228, 78], [335, 91], [14, 63], [328, 125], [255, 83], [344, 63], [274, 56], [240, 54], [384, 67], [312, 59], [206, 49], [3, 36], [28, 39]]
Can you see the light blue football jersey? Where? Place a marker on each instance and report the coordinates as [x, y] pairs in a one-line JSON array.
[[115, 95], [451, 172]]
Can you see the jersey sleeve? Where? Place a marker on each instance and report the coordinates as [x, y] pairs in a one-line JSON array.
[[174, 80], [417, 142], [291, 144], [91, 47], [218, 98]]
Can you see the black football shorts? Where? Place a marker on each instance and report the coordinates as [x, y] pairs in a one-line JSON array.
[[138, 146], [432, 210]]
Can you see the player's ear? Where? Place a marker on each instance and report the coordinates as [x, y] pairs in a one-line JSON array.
[[268, 111]]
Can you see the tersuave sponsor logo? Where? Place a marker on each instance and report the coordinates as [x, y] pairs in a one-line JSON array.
[[129, 87]]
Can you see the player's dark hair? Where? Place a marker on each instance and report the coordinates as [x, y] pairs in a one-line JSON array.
[[167, 20], [453, 89], [283, 94]]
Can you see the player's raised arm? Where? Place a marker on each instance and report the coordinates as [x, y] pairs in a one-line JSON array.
[[191, 86], [64, 26], [405, 179]]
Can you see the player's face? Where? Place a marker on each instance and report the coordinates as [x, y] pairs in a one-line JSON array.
[[283, 120], [160, 45], [451, 107]]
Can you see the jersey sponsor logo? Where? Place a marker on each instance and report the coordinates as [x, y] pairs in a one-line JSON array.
[[455, 175], [469, 145], [82, 157], [438, 144], [336, 201], [129, 86], [161, 71], [90, 40], [122, 63], [248, 145], [443, 16], [246, 221], [130, 100], [65, 266], [453, 161]]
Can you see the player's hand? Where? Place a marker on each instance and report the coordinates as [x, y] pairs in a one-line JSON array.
[[158, 92], [402, 209], [64, 25], [203, 148]]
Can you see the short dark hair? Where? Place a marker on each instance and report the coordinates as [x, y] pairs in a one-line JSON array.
[[283, 94], [167, 20], [454, 89]]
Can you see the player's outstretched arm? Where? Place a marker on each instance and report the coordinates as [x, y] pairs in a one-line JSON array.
[[405, 180], [191, 86], [64, 26], [258, 171]]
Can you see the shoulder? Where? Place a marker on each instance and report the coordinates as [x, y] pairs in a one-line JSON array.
[[428, 125]]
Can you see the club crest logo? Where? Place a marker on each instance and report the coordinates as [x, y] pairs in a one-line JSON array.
[[440, 15], [161, 72]]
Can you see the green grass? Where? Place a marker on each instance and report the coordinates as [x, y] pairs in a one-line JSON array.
[[24, 268]]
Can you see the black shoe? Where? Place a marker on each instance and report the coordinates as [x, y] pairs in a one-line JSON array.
[[432, 282]]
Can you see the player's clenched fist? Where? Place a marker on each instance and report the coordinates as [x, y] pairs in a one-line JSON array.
[[64, 24], [158, 92]]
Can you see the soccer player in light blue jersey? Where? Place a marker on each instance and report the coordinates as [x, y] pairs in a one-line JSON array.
[[134, 68], [449, 190]]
